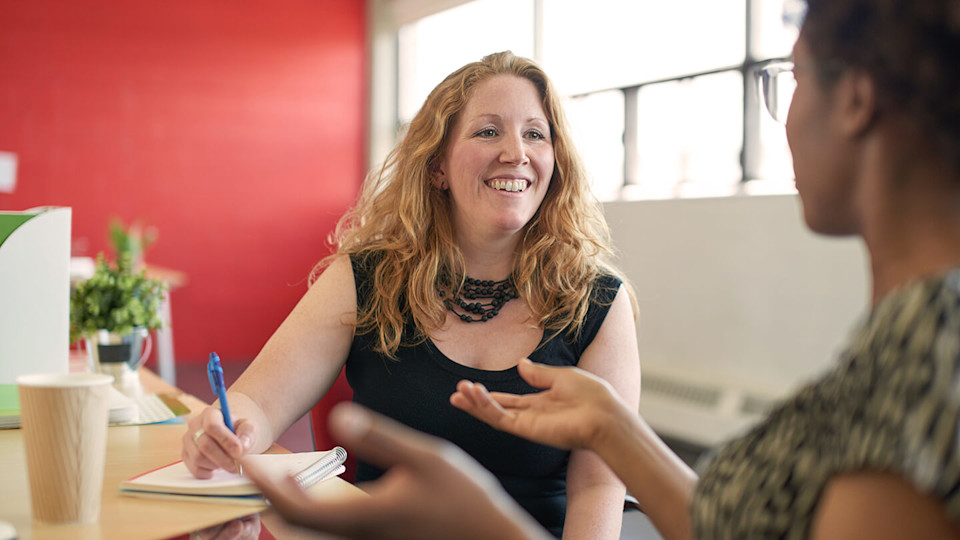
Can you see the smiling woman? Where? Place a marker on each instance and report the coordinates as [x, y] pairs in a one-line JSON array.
[[499, 159], [478, 244]]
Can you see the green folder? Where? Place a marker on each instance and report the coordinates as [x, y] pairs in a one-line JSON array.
[[9, 406]]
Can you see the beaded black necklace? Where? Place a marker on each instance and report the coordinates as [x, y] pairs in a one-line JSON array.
[[497, 292]]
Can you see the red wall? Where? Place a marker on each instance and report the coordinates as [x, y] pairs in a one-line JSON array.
[[235, 127]]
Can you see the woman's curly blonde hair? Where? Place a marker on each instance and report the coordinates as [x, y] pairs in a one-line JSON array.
[[402, 230]]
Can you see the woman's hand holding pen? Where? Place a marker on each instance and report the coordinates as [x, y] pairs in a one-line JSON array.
[[571, 412], [209, 444], [213, 440]]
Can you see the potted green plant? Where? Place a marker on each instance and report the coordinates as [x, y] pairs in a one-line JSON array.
[[114, 310]]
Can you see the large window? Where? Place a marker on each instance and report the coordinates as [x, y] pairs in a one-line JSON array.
[[662, 96]]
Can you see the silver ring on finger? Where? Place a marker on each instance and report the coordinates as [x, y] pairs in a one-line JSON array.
[[198, 434]]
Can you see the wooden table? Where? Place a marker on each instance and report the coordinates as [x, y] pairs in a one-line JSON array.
[[132, 450]]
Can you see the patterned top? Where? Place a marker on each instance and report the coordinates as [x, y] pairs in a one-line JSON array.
[[415, 390], [891, 405]]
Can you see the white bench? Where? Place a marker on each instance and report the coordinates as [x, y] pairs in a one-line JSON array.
[[739, 304]]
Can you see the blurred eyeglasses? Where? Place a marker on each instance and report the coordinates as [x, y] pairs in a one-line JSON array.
[[777, 84]]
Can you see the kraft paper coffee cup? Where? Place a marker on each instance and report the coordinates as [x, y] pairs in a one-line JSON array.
[[64, 422]]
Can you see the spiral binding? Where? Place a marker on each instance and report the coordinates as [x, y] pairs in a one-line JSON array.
[[321, 468]]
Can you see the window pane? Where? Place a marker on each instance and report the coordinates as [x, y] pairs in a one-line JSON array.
[[779, 24], [433, 47], [611, 43], [597, 124], [690, 137]]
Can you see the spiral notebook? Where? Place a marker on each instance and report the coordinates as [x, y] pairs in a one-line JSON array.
[[175, 481]]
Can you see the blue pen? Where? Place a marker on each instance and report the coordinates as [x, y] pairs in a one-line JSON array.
[[215, 374]]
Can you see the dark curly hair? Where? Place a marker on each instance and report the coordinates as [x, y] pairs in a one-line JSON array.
[[911, 48]]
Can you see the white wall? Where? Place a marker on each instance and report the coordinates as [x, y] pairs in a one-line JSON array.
[[735, 291]]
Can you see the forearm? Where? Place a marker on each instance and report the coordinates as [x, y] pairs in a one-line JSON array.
[[301, 360], [515, 524], [270, 396], [662, 483], [594, 499]]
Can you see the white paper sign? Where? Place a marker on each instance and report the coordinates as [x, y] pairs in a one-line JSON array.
[[34, 292]]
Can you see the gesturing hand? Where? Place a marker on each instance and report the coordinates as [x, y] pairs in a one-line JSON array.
[[432, 490], [570, 413]]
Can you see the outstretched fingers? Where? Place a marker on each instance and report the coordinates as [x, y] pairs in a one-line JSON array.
[[499, 410]]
